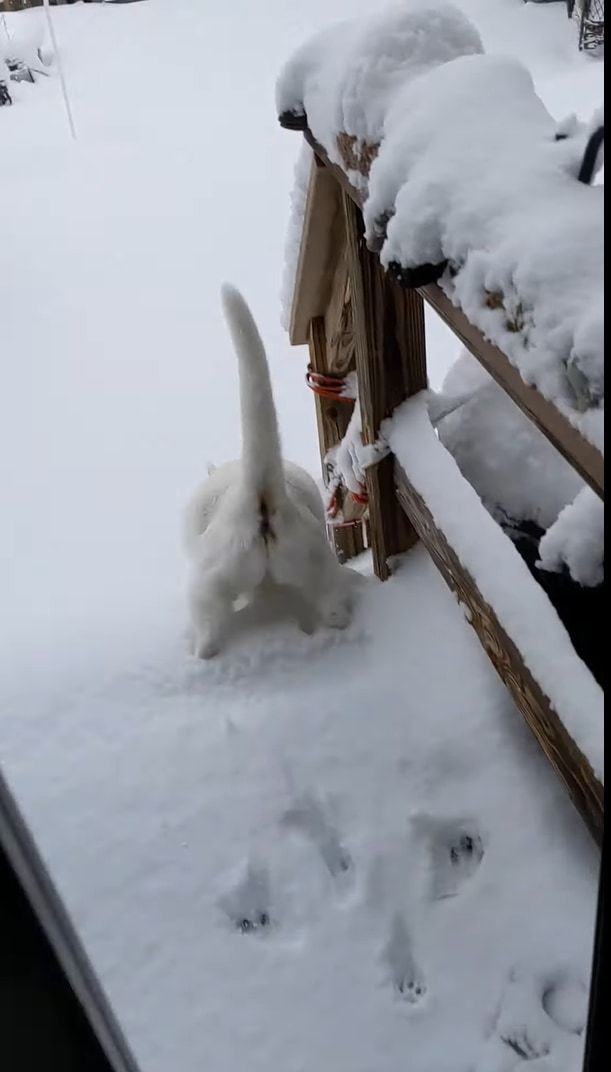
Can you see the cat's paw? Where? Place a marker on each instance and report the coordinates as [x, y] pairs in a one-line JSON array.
[[206, 645]]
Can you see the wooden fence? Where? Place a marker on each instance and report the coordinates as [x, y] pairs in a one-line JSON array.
[[355, 315], [21, 5]]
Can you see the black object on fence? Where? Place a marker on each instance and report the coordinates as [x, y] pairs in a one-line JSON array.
[[588, 164]]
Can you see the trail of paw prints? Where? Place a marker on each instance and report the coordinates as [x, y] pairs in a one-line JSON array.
[[309, 816], [455, 852], [247, 905], [404, 972], [537, 1022]]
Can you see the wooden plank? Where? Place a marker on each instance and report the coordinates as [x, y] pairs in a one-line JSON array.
[[332, 419], [390, 356], [585, 458], [340, 176], [321, 316], [565, 757], [293, 121], [338, 316], [321, 241]]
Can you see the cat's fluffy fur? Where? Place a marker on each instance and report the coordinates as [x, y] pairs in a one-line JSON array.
[[258, 523]]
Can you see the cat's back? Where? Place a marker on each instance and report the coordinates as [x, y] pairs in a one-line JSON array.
[[302, 489], [205, 501]]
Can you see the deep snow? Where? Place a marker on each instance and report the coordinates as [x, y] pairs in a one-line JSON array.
[[374, 795], [467, 170]]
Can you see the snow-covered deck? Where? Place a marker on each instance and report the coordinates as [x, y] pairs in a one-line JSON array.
[[157, 787]]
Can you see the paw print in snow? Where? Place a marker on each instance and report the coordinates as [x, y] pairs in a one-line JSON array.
[[309, 816], [455, 851], [405, 975], [247, 904], [538, 1020]]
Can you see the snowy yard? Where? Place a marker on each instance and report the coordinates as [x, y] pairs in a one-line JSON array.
[[314, 854]]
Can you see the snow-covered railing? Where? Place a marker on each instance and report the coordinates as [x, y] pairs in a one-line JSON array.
[[391, 108], [585, 456], [513, 617]]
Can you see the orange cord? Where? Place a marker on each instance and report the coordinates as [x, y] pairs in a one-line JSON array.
[[327, 386]]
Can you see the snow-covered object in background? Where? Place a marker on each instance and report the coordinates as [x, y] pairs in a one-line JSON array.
[[503, 579], [299, 197], [460, 161], [576, 540], [345, 78], [25, 40], [5, 96], [515, 470]]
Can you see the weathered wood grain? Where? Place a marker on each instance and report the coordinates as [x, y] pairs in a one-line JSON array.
[[565, 757], [321, 245], [390, 356], [332, 419], [585, 458]]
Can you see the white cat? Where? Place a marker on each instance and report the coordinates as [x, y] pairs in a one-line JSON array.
[[259, 523]]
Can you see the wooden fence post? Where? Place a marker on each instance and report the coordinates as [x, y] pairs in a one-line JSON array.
[[390, 353], [332, 419]]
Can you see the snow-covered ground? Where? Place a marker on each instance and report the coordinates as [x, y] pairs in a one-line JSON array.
[[420, 887]]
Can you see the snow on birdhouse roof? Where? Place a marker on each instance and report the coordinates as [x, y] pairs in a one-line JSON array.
[[459, 163]]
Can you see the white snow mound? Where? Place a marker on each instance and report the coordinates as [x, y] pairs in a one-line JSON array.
[[465, 166], [577, 540], [345, 78]]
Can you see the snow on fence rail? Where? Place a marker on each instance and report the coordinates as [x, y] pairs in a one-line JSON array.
[[466, 179], [384, 232]]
